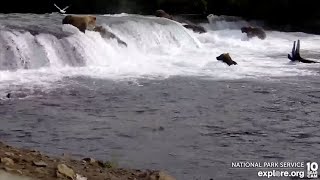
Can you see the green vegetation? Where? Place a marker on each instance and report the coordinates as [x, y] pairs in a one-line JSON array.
[[111, 165]]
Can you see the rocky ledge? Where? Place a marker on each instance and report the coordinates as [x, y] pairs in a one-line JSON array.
[[23, 164]]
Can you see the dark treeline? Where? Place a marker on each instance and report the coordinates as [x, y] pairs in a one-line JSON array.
[[303, 13], [276, 11], [265, 9], [287, 15], [102, 6]]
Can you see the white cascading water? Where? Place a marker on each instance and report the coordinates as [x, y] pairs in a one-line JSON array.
[[157, 48]]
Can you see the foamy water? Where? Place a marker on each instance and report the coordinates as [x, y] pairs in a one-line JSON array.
[[157, 48]]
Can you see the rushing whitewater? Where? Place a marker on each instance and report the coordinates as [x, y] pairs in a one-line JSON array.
[[39, 49]]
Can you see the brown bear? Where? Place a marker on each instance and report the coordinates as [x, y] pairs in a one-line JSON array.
[[187, 24], [81, 22], [253, 31], [162, 13], [195, 28], [225, 57], [107, 34]]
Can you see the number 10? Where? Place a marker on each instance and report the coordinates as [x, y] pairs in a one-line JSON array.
[[312, 166]]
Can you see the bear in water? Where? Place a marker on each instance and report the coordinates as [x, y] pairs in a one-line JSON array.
[[81, 22], [162, 13], [225, 57], [187, 24], [107, 34], [254, 32], [195, 28]]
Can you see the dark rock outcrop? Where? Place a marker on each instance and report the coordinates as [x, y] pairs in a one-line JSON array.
[[295, 54]]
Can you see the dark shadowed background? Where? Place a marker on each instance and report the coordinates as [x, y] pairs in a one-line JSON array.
[[301, 14]]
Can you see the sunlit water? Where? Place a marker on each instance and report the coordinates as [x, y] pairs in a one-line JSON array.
[[163, 102]]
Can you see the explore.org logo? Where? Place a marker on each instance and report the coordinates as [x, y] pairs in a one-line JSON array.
[[281, 169]]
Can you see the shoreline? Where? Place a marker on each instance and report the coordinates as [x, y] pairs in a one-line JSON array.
[[25, 164]]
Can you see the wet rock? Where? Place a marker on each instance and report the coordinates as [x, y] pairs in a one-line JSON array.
[[35, 153], [90, 160], [22, 163], [64, 170], [66, 156], [143, 175], [10, 176], [24, 160], [10, 170], [164, 176], [79, 177], [7, 161], [101, 164], [40, 170], [9, 154], [39, 164], [160, 175], [110, 165], [112, 177]]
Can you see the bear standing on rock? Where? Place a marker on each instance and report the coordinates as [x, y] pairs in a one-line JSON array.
[[81, 22], [88, 22]]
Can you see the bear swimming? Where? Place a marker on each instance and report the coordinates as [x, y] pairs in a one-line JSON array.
[[225, 57], [81, 22], [186, 24], [254, 32]]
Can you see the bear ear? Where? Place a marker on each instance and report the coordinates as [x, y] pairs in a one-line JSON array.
[[93, 18]]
